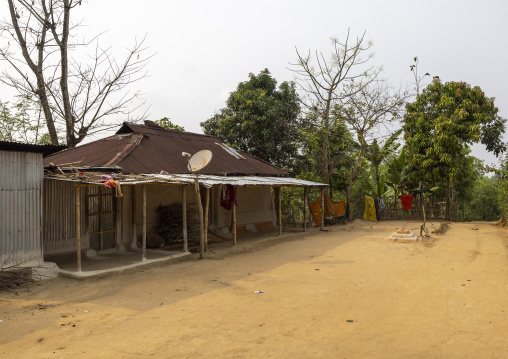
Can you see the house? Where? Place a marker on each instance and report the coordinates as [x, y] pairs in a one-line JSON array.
[[21, 188], [146, 161]]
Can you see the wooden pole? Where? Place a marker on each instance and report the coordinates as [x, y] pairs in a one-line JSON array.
[[323, 208], [234, 224], [134, 239], [206, 218], [184, 218], [143, 258], [200, 209], [280, 211], [305, 208], [78, 229]]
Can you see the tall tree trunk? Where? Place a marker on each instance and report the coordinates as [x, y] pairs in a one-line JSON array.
[[452, 201], [326, 139], [349, 216], [447, 215], [354, 177], [64, 63], [37, 70], [395, 201], [378, 184]]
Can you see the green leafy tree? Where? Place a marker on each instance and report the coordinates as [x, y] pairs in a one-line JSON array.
[[442, 123], [328, 80], [342, 148], [165, 122], [369, 108], [396, 173], [23, 122], [376, 154], [260, 119]]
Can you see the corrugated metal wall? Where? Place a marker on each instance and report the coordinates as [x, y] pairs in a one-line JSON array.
[[59, 203], [21, 181]]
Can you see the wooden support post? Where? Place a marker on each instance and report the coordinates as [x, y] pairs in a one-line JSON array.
[[323, 208], [184, 218], [134, 239], [143, 258], [118, 223], [206, 218], [305, 197], [78, 229], [200, 209], [280, 211], [234, 224]]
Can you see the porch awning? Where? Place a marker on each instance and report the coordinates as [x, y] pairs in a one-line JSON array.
[[210, 180], [179, 179]]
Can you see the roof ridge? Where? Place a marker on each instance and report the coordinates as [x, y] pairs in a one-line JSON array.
[[162, 129]]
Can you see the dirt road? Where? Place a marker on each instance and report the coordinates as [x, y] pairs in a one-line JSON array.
[[347, 293]]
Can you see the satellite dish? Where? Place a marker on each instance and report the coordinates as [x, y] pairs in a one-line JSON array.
[[199, 160]]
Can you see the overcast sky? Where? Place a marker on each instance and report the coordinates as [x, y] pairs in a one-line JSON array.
[[203, 49]]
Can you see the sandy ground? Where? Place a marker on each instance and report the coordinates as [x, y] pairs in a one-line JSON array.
[[347, 293]]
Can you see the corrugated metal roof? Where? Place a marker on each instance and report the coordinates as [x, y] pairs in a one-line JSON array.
[[26, 147], [142, 149]]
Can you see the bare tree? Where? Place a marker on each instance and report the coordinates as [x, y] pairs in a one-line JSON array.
[[78, 96], [418, 78], [369, 108], [328, 82]]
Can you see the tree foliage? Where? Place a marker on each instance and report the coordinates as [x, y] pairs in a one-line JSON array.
[[376, 154], [327, 81], [23, 122], [342, 149], [165, 122], [443, 121], [260, 119], [365, 112]]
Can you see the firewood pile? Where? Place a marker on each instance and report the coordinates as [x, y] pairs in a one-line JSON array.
[[14, 276], [171, 224]]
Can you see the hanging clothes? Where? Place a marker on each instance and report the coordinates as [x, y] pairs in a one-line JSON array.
[[332, 208], [407, 201], [376, 205], [228, 197], [381, 204], [118, 189], [370, 209]]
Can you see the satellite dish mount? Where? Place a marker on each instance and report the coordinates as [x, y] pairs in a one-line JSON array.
[[195, 163]]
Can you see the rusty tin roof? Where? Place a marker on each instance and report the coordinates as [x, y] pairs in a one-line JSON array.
[[142, 149]]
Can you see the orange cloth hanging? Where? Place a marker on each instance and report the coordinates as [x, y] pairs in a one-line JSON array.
[[332, 208]]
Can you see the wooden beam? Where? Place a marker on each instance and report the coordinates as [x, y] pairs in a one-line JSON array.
[[143, 258], [234, 224], [78, 229], [134, 239], [305, 197], [207, 205], [200, 209], [322, 208], [184, 218], [280, 211], [118, 222]]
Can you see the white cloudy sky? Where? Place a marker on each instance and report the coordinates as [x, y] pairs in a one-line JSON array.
[[203, 49]]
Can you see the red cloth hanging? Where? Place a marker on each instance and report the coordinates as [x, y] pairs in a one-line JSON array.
[[407, 201], [228, 197]]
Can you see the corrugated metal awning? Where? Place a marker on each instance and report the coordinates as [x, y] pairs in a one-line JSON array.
[[205, 180], [210, 180]]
